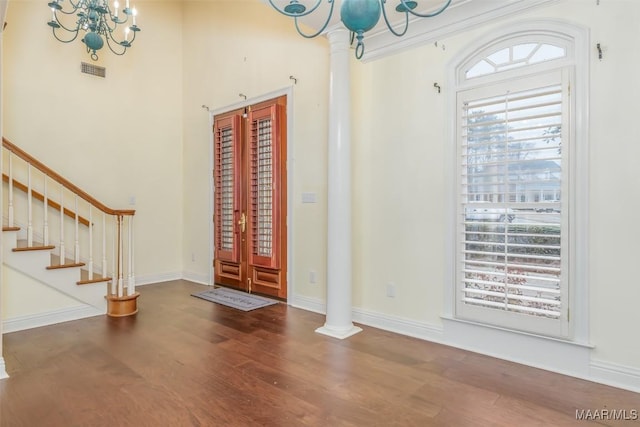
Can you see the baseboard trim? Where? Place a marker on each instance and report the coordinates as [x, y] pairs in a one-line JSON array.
[[30, 321], [399, 325], [157, 278], [563, 358], [3, 370], [201, 279], [307, 303], [615, 375], [374, 319]]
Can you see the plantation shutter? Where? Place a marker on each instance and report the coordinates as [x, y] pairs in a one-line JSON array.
[[264, 195], [227, 187], [512, 231]]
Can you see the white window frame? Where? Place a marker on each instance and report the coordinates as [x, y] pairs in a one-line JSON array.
[[575, 40]]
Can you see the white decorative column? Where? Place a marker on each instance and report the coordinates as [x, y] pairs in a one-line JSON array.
[[338, 322]]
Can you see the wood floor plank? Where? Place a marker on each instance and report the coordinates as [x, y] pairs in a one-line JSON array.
[[183, 361]]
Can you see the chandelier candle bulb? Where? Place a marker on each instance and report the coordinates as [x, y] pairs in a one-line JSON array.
[[134, 12], [116, 5]]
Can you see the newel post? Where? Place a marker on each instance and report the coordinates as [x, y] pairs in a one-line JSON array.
[[125, 301]]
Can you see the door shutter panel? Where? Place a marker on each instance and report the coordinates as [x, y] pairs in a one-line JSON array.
[[227, 187], [264, 194]]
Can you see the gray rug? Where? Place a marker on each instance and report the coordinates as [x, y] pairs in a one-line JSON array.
[[235, 299]]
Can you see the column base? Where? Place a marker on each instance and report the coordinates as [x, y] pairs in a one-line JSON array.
[[340, 333], [122, 306], [3, 372]]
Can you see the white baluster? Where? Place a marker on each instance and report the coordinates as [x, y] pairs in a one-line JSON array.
[[10, 189], [120, 258], [90, 243], [76, 248], [29, 208], [62, 260], [105, 267], [114, 260], [132, 280], [45, 234]]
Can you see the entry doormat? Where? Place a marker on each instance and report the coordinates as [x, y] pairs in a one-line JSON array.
[[235, 299]]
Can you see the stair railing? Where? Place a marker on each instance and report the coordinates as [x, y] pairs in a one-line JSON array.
[[76, 235]]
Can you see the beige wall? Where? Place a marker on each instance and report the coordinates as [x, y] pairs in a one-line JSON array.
[[142, 131], [230, 50], [400, 164], [116, 137]]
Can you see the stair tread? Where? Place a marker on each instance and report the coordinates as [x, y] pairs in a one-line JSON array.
[[95, 280], [6, 228], [21, 245], [68, 263], [85, 280], [33, 248]]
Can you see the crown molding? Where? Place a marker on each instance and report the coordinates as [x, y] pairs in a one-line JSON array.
[[459, 17]]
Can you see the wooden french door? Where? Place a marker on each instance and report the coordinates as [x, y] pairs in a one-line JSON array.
[[250, 203]]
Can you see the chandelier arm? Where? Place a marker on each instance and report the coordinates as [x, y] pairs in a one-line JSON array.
[[324, 26], [75, 5], [106, 24], [117, 22], [127, 43], [59, 8], [426, 15], [298, 15], [386, 20], [124, 48], [71, 30], [65, 41], [132, 37], [64, 12]]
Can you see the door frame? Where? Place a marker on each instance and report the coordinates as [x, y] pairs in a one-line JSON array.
[[288, 92]]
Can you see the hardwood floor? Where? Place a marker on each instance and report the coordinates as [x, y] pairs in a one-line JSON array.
[[183, 361]]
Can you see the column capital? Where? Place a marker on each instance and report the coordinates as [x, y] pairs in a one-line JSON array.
[[339, 39]]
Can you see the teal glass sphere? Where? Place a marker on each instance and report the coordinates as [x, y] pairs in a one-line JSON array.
[[360, 15], [93, 41]]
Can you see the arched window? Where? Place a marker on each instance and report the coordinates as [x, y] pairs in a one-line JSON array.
[[517, 181], [515, 56]]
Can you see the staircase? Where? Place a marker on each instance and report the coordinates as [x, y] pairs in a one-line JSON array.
[[39, 263], [60, 236]]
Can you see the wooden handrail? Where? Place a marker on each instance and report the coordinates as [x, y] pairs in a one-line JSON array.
[[63, 181], [20, 186]]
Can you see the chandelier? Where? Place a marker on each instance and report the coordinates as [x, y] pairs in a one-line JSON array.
[[98, 23], [359, 16]]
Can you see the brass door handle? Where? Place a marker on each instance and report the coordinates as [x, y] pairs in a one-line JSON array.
[[242, 222]]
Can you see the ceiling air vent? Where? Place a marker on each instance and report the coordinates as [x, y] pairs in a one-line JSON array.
[[94, 70]]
